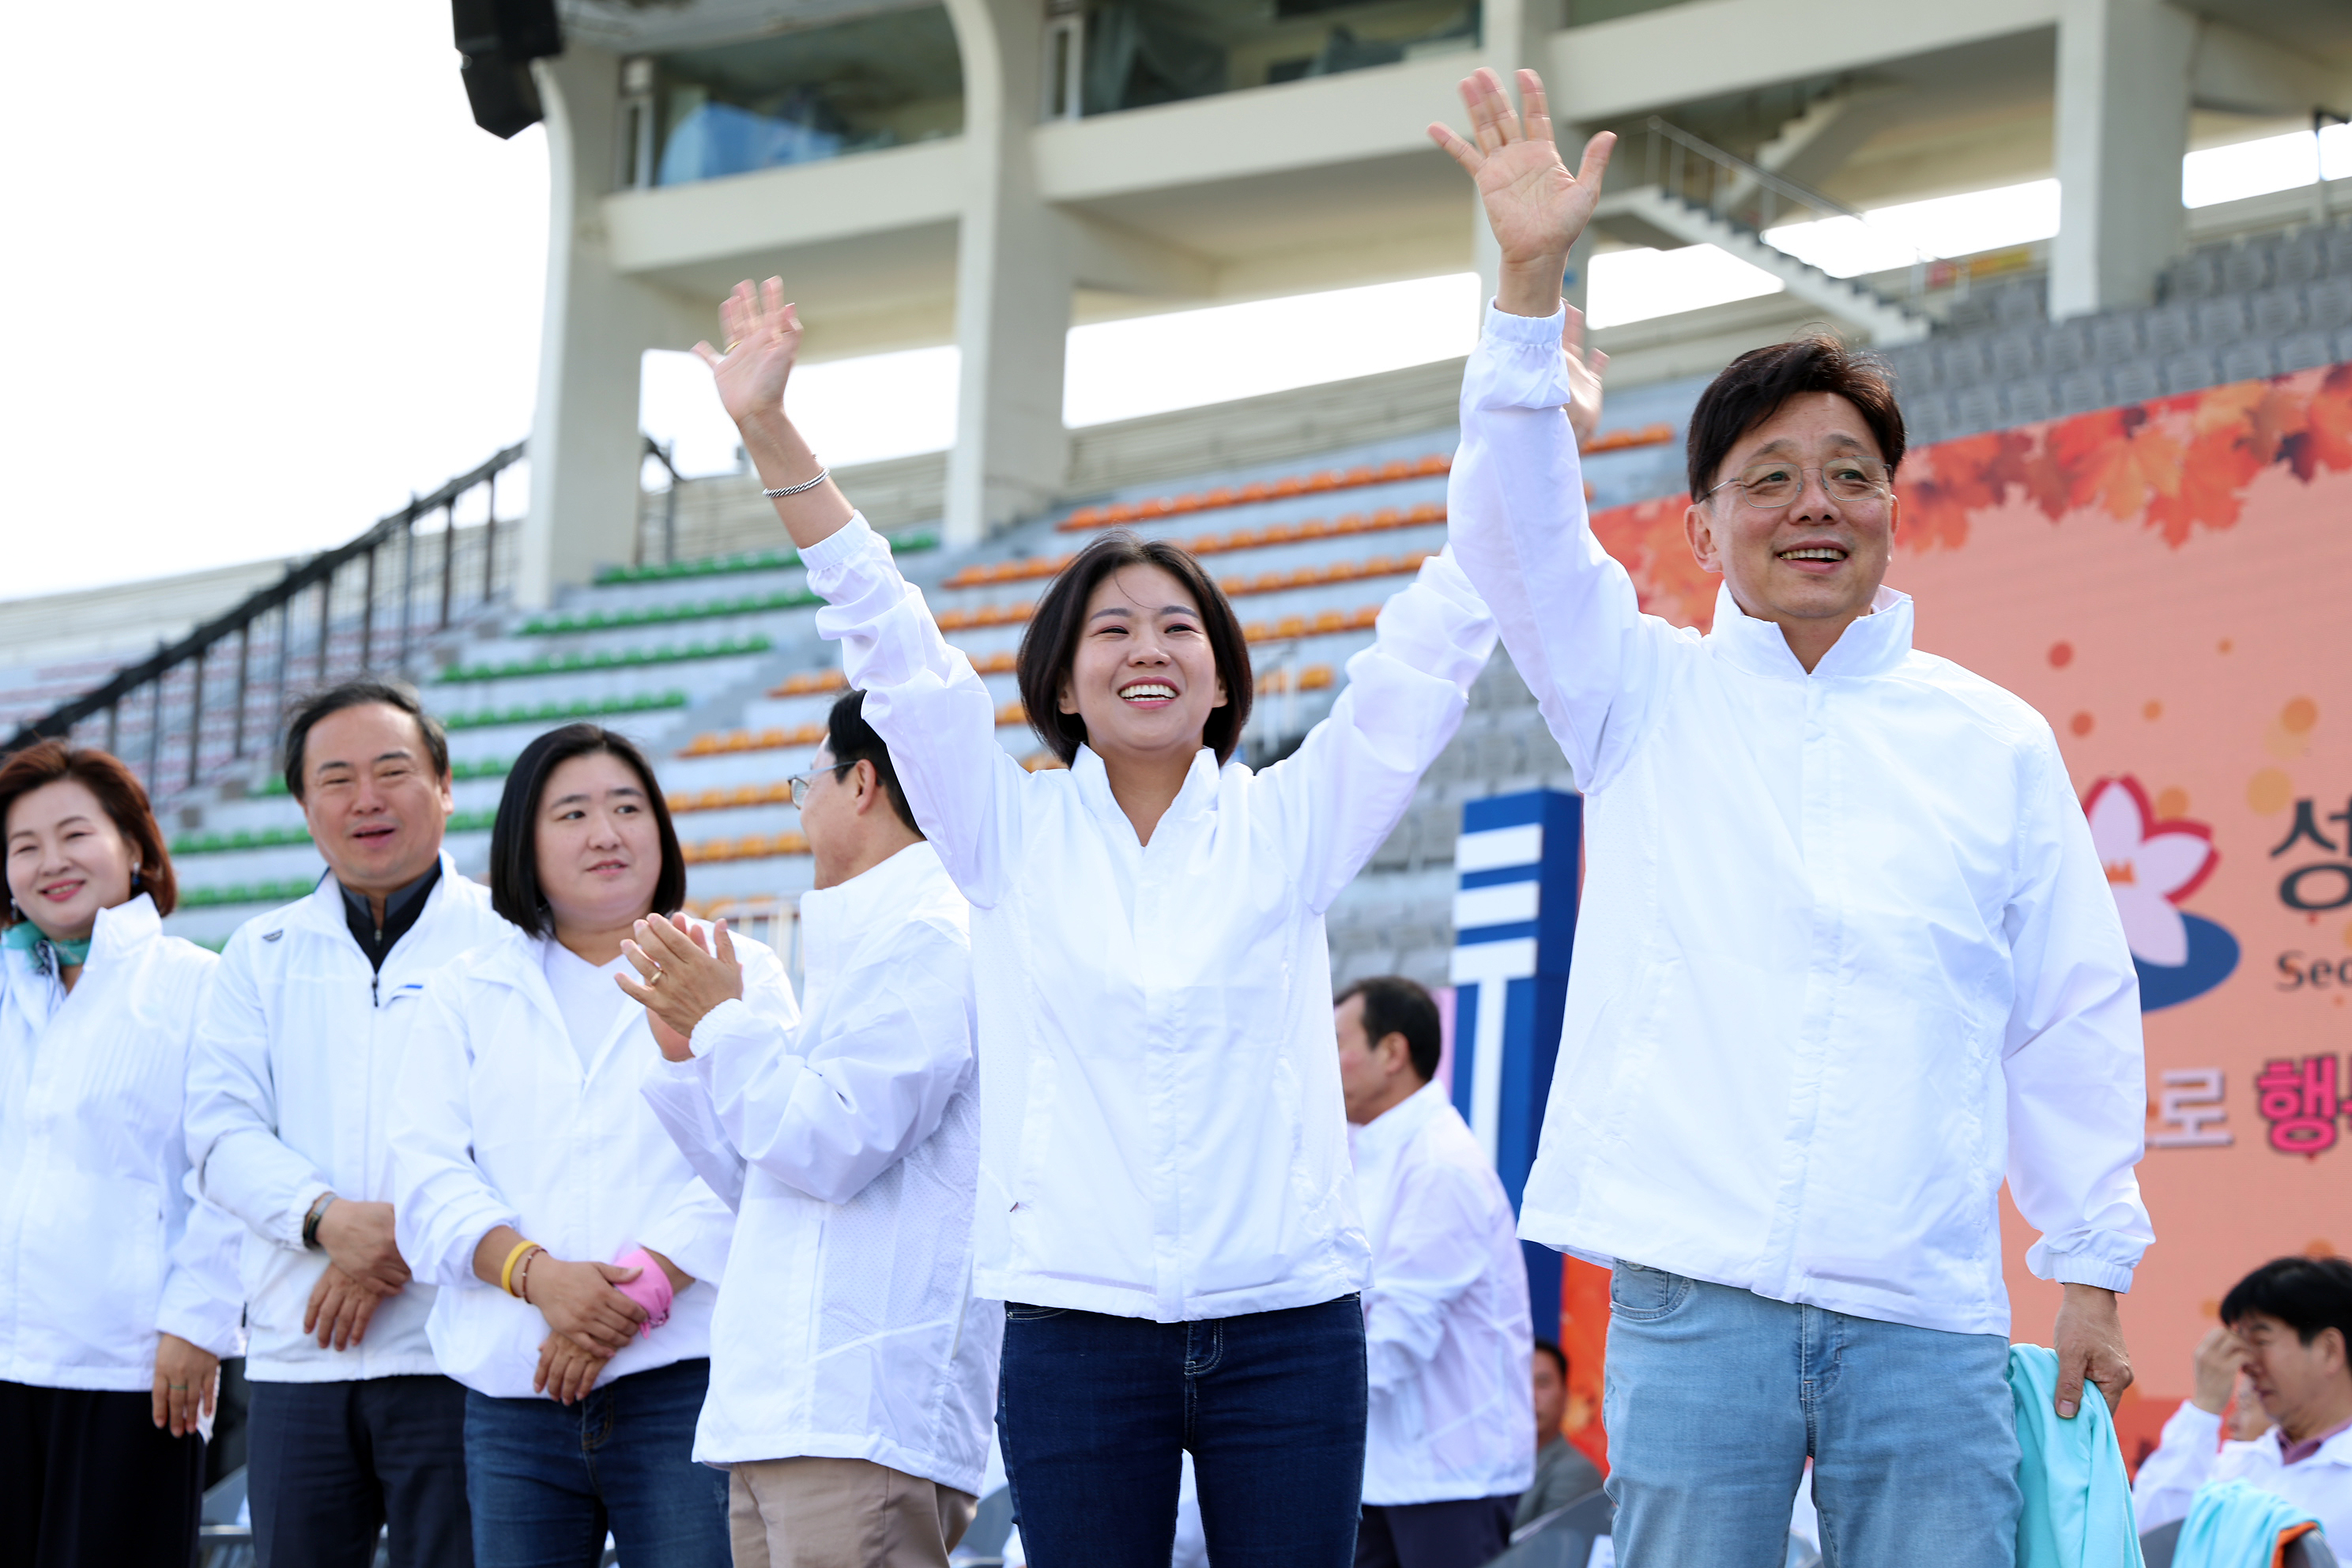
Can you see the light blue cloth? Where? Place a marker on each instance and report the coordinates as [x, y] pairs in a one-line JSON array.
[[2233, 1525], [2078, 1507]]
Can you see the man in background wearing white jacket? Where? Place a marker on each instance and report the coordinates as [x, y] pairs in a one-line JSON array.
[[1451, 1437], [2286, 1342], [852, 1376], [353, 1425]]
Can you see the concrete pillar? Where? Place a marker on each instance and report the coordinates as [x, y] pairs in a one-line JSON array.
[[2122, 129], [1014, 279], [1513, 35], [585, 440]]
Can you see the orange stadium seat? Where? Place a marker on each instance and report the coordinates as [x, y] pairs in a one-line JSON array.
[[1086, 517]]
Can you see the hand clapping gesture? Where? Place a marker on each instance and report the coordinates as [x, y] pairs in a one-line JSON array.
[[683, 978], [1536, 208]]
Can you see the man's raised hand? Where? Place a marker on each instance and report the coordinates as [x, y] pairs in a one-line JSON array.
[[1536, 208], [763, 338]]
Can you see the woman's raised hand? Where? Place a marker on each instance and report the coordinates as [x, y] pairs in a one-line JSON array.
[[763, 337], [1536, 208]]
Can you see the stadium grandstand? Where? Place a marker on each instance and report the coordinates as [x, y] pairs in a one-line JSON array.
[[988, 173]]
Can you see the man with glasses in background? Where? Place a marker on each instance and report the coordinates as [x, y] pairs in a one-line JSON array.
[[853, 1378], [1847, 957]]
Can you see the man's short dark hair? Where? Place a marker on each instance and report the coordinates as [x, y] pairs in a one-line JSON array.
[[359, 693], [1759, 382], [851, 741], [1558, 1357], [515, 891], [1049, 647], [2307, 1294], [1395, 1006]]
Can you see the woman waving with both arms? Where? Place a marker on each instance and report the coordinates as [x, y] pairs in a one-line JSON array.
[[1165, 1201]]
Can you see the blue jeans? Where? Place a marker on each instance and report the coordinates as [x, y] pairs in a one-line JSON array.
[[1716, 1396], [1095, 1414], [329, 1464], [548, 1480]]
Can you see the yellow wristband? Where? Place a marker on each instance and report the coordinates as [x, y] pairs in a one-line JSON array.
[[506, 1275]]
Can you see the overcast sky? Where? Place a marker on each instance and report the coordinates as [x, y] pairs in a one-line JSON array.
[[266, 278]]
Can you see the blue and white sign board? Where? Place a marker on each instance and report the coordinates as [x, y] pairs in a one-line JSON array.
[[1514, 933]]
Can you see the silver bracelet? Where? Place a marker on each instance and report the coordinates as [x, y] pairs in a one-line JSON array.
[[823, 474]]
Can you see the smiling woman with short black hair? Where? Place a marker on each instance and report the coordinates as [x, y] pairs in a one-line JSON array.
[[118, 1295], [1165, 1204], [536, 1189]]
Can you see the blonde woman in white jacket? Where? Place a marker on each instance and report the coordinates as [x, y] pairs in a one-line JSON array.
[[1164, 1204], [118, 1291], [575, 1251]]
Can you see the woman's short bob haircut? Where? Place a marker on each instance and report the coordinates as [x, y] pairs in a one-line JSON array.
[[1760, 383], [514, 836], [118, 789], [1049, 649]]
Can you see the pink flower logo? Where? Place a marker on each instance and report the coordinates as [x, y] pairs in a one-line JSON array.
[[2151, 867]]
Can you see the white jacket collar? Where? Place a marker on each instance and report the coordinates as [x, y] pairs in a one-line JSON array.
[[1198, 796], [834, 919], [1385, 1134], [123, 930], [324, 909], [1874, 645], [517, 959]]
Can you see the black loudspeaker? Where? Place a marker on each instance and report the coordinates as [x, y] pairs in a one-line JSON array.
[[500, 38]]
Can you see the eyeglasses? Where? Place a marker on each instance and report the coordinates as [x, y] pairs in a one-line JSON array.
[[1769, 486], [801, 784]]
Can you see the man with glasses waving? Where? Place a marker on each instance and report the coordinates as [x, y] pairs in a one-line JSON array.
[[1848, 956]]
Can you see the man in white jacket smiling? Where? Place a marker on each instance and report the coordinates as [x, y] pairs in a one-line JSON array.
[[853, 1378], [1847, 958], [288, 1086]]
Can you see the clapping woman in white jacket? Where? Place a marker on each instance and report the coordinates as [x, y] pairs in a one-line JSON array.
[[576, 1250], [119, 1291], [1165, 1203]]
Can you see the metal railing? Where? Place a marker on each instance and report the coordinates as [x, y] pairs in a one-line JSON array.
[[187, 711], [1750, 195], [663, 454]]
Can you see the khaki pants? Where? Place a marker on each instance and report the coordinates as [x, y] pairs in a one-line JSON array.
[[841, 1513]]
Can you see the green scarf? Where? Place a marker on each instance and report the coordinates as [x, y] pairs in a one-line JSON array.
[[26, 937]]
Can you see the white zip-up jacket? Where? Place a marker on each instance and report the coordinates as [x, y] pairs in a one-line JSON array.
[[102, 1244], [495, 1122], [288, 1090], [1846, 956], [1447, 1337], [847, 1328], [1162, 1134], [2192, 1455]]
